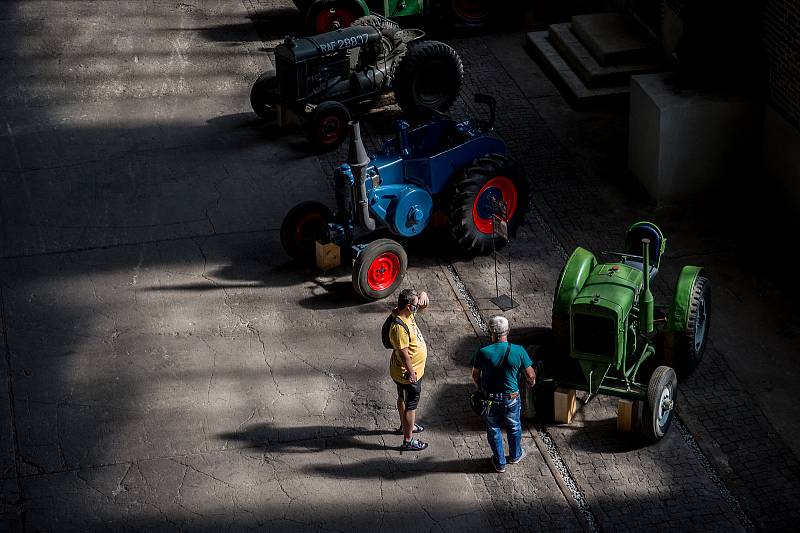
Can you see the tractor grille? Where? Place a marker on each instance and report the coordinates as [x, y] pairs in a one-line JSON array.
[[290, 75], [595, 335]]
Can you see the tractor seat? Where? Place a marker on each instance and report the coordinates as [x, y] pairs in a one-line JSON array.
[[639, 265], [633, 245]]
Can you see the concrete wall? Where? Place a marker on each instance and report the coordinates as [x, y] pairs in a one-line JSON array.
[[781, 28], [782, 154], [671, 27], [682, 145]]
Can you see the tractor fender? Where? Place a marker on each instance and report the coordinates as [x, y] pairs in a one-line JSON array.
[[309, 4], [679, 309], [573, 276]]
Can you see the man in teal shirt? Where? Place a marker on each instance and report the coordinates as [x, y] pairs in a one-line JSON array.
[[495, 370]]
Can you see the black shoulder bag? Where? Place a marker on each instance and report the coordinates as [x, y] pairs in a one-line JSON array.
[[477, 400]]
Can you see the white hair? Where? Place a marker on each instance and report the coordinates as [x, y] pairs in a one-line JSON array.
[[498, 325]]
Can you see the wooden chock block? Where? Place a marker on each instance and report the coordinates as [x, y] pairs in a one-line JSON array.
[[626, 415], [328, 256], [287, 117], [565, 405]]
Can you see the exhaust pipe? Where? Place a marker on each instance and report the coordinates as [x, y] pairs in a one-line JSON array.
[[358, 160], [647, 299]]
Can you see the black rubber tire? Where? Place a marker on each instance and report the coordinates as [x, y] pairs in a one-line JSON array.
[[653, 426], [466, 188], [364, 262], [366, 56], [689, 349], [543, 403], [462, 16], [428, 77], [300, 227], [560, 325], [326, 125], [265, 95], [317, 8]]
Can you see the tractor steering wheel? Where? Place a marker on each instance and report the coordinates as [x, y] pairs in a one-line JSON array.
[[624, 256]]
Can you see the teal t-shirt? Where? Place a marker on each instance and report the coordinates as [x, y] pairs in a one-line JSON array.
[[504, 379]]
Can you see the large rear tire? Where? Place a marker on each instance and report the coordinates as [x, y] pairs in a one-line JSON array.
[[542, 403], [387, 29], [491, 176], [470, 13], [300, 228], [690, 344], [379, 269], [561, 335], [660, 406], [428, 77], [265, 95]]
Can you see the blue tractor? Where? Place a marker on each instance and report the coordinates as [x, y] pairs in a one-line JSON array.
[[457, 172]]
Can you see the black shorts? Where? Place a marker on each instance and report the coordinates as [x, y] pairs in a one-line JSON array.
[[409, 393]]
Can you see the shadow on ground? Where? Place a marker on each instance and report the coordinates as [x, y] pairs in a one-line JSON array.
[[306, 439], [381, 468]]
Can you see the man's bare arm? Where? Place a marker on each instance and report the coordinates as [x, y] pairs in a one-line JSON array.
[[530, 376], [476, 376]]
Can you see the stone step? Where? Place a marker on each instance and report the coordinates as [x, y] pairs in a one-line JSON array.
[[576, 90], [613, 39], [587, 67]]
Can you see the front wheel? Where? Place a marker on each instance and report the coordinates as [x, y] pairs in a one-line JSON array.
[[326, 126], [300, 228], [379, 269], [660, 407], [265, 95], [487, 179]]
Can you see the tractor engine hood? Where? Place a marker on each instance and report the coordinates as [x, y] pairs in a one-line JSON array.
[[613, 286], [599, 317], [305, 48]]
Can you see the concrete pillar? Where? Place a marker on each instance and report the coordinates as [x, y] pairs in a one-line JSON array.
[[683, 144]]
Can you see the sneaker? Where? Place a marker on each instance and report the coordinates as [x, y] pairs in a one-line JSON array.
[[518, 459], [417, 429], [498, 468], [413, 445]]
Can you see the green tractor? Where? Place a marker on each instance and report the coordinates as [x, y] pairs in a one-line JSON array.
[[329, 15], [611, 338]]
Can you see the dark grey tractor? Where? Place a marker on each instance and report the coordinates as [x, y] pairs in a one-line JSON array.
[[320, 82]]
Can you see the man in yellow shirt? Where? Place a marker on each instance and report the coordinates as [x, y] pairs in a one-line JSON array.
[[407, 364]]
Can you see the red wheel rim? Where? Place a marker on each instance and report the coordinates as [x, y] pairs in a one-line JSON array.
[[333, 18], [471, 11], [330, 129], [306, 226], [499, 187], [383, 271]]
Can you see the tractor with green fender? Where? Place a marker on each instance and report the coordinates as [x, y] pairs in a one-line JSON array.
[[330, 15], [611, 338]]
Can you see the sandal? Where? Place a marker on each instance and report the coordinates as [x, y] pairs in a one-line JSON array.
[[417, 429], [413, 445]]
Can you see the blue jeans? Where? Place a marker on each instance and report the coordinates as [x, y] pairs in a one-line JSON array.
[[508, 411]]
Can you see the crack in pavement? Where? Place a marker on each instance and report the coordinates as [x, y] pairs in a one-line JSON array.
[[12, 408]]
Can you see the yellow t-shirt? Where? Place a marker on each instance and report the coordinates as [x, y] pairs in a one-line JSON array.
[[415, 343]]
